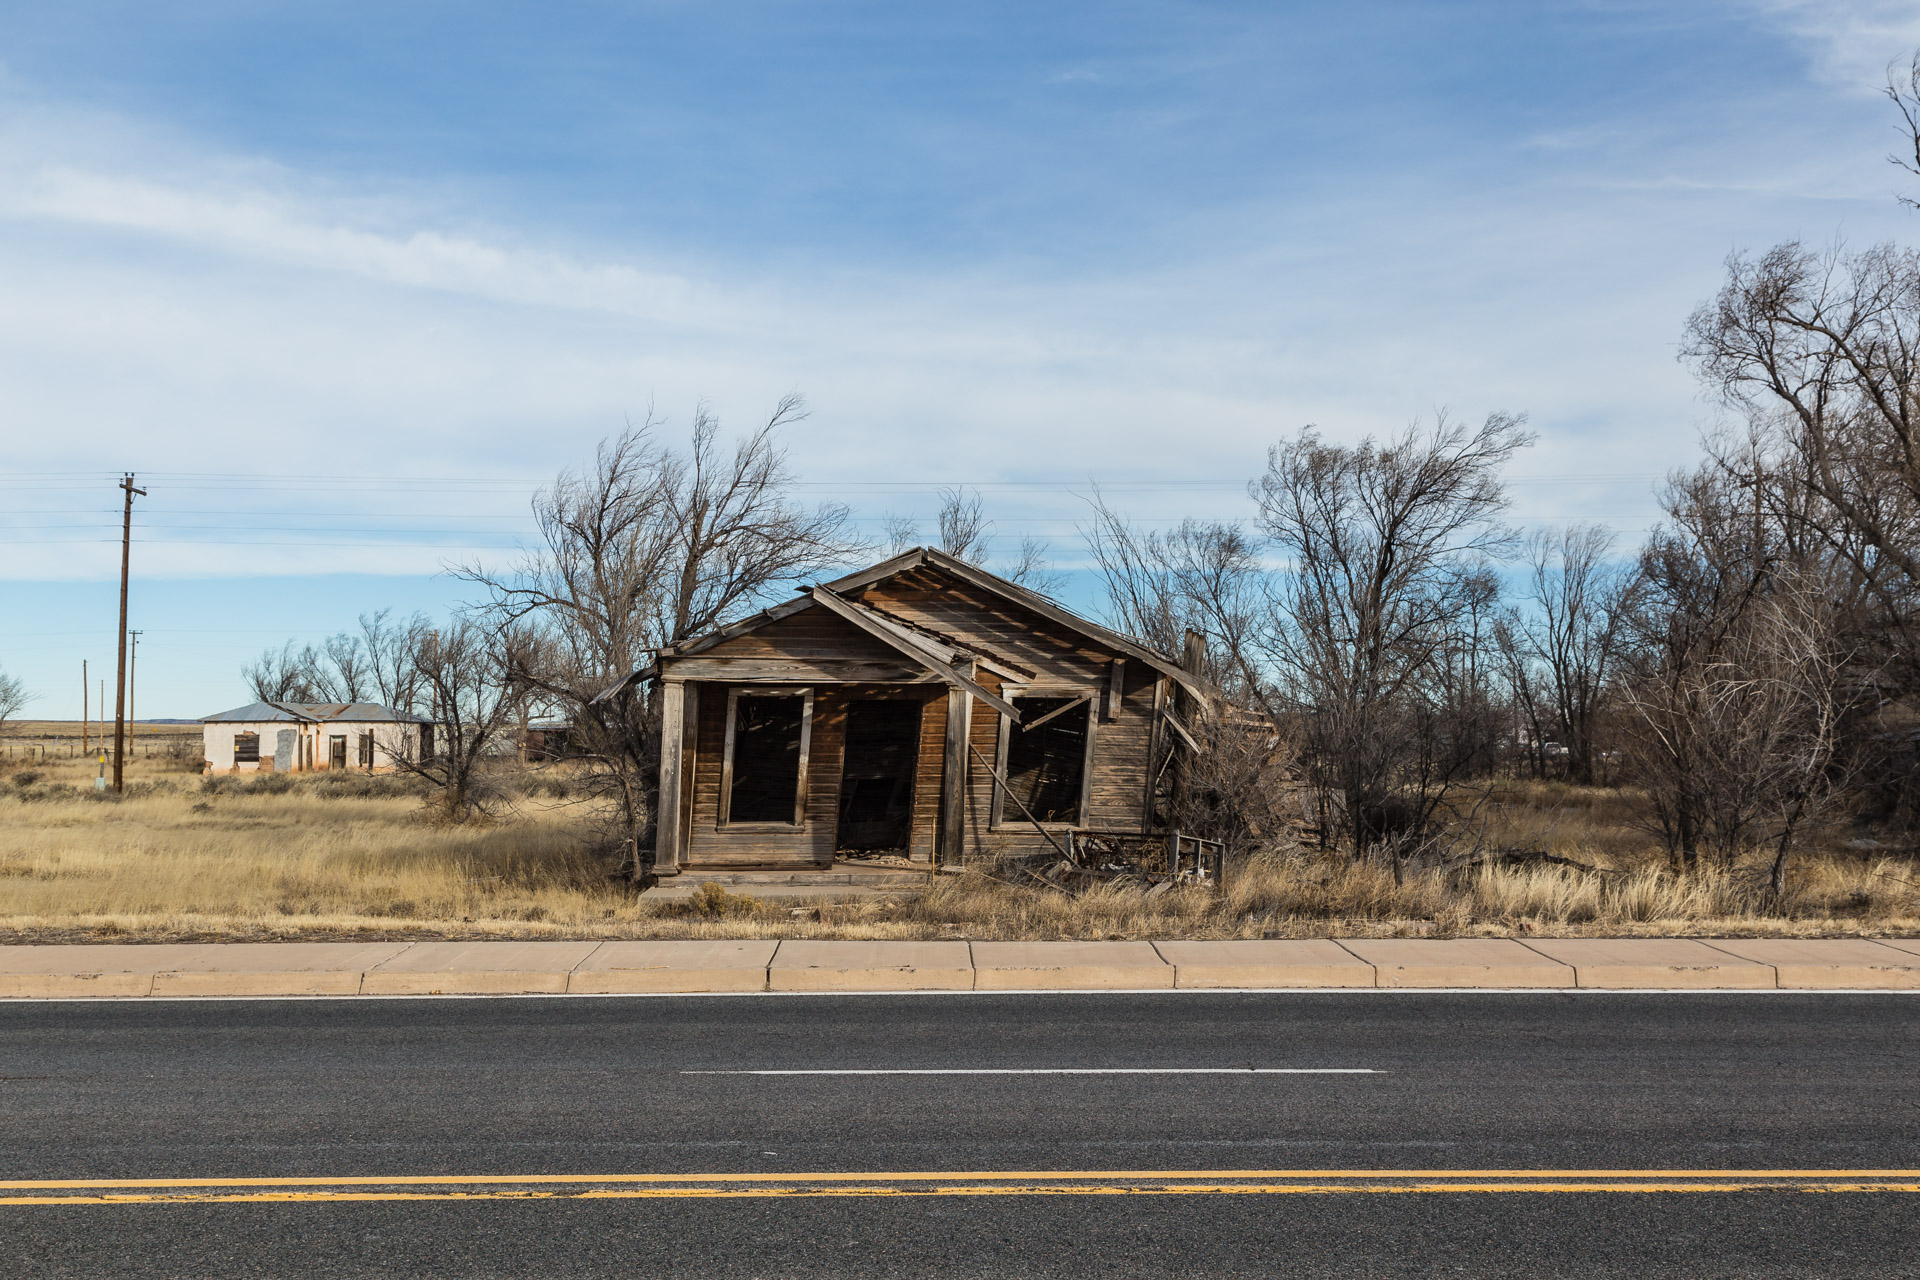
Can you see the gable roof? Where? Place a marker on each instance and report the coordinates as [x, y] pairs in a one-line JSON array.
[[929, 653], [971, 574]]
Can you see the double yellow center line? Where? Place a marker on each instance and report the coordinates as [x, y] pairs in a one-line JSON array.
[[1107, 1182]]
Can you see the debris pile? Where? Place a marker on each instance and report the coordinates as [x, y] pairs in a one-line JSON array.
[[1155, 862]]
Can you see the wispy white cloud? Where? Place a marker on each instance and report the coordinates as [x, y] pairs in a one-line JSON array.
[[1851, 42], [170, 308], [175, 305]]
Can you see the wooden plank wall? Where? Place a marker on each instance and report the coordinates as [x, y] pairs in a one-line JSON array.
[[1058, 656], [1120, 758], [811, 844], [926, 779], [810, 633]]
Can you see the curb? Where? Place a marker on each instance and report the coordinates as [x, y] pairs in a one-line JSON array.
[[665, 967]]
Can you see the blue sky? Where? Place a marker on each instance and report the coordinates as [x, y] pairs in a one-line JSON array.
[[344, 283]]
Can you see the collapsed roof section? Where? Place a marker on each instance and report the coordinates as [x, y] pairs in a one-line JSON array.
[[938, 652]]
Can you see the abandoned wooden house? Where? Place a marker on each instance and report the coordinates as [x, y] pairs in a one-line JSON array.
[[923, 707]]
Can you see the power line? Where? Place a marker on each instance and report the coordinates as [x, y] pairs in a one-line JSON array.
[[191, 479]]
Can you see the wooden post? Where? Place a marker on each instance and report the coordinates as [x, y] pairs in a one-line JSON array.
[[950, 847], [1193, 657], [120, 685], [666, 837], [689, 761]]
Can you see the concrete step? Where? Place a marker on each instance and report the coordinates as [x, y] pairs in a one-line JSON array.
[[838, 881], [841, 876]]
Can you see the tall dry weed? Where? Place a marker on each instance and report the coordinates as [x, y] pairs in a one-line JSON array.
[[172, 861]]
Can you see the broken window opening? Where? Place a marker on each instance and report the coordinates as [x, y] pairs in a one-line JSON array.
[[767, 741], [246, 748], [1046, 763]]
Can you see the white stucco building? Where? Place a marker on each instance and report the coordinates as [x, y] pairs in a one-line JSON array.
[[288, 737]]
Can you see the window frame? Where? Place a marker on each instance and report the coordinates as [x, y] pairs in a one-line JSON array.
[[239, 759], [722, 820], [1003, 816]]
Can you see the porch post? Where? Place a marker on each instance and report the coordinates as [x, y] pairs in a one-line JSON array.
[[666, 826], [950, 847]]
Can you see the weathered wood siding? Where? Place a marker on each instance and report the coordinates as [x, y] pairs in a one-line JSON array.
[[816, 642], [810, 634], [1056, 655], [711, 844], [1118, 796]]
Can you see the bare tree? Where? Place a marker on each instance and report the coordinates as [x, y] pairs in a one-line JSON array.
[[13, 697], [1561, 645], [965, 531], [1199, 576], [648, 547], [472, 690], [1903, 90], [344, 668], [345, 675], [1748, 672], [1205, 578], [1033, 568], [1807, 685], [651, 545], [285, 675], [1822, 354], [902, 534], [1384, 544], [389, 649]]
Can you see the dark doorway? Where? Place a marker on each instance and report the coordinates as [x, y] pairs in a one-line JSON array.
[[876, 780]]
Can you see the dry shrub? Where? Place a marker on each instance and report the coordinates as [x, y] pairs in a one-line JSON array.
[[713, 901]]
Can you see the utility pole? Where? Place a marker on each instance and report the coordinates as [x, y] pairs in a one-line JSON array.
[[120, 675], [133, 665], [86, 691]]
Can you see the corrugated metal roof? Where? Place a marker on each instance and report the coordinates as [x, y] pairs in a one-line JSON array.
[[359, 711], [256, 711], [314, 713]]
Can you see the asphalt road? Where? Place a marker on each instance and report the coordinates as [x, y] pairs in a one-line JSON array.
[[1460, 1082]]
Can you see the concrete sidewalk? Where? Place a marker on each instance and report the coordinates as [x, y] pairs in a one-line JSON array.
[[611, 968]]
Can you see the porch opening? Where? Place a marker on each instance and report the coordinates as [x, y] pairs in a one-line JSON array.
[[876, 781]]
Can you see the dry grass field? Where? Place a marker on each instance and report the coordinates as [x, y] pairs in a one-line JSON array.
[[344, 856], [29, 743]]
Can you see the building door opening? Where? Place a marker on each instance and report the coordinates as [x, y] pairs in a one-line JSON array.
[[876, 779], [337, 751]]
